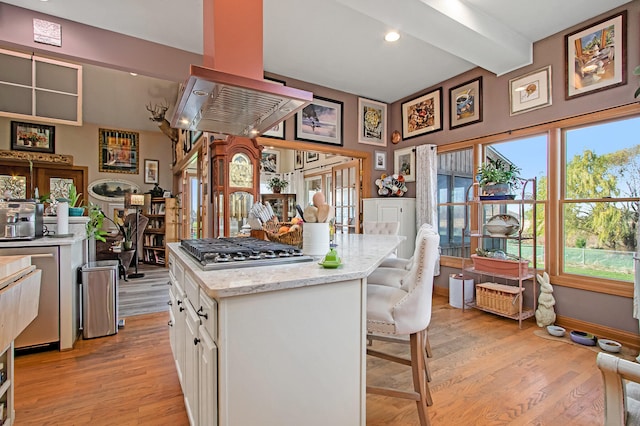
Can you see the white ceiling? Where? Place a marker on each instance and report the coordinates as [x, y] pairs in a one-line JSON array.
[[339, 43]]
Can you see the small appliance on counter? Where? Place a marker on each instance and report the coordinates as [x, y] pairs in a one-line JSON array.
[[20, 220]]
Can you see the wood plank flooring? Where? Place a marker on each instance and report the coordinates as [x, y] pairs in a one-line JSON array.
[[144, 295], [485, 372]]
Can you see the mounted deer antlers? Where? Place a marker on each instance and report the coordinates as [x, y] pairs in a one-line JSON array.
[[157, 115]]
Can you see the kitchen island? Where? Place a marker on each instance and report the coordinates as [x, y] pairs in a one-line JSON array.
[[274, 345]]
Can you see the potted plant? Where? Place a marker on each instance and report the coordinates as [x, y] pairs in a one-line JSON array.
[[498, 177], [276, 184], [94, 229], [128, 237], [75, 198]]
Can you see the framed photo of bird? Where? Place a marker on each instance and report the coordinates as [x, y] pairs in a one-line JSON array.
[[530, 91]]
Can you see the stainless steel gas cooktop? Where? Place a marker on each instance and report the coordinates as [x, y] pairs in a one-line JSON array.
[[241, 252]]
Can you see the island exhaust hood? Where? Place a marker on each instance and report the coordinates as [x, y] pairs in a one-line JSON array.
[[228, 95]]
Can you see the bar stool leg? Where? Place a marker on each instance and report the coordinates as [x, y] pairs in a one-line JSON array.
[[419, 383]]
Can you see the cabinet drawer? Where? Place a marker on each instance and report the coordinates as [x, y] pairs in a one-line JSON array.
[[176, 270], [208, 312], [192, 289]]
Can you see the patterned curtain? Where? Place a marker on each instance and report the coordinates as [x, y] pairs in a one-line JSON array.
[[427, 189]]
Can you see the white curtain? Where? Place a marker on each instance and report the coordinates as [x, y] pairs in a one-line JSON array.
[[427, 189], [296, 184]]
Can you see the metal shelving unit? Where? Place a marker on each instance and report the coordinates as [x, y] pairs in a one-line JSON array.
[[479, 207]]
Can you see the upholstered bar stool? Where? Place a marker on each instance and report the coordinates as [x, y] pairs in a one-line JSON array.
[[406, 311], [391, 272]]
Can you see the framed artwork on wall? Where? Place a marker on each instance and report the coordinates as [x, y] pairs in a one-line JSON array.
[[32, 137], [320, 121], [312, 156], [276, 131], [112, 190], [465, 103], [404, 163], [380, 160], [422, 115], [372, 122], [151, 171], [298, 160], [118, 151], [270, 161], [596, 56], [530, 91]]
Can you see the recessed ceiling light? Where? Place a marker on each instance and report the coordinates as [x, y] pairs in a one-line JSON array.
[[392, 36], [132, 73]]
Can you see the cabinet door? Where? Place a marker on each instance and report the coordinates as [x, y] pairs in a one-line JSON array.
[[191, 363], [208, 386], [179, 329]]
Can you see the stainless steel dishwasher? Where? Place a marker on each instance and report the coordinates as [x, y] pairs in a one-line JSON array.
[[45, 329]]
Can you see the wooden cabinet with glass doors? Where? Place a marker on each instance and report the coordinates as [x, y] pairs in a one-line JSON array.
[[283, 205]]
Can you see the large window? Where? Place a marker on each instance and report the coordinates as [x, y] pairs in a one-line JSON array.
[[455, 175], [600, 205], [587, 171]]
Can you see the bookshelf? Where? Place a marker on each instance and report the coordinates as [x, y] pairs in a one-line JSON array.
[[161, 229]]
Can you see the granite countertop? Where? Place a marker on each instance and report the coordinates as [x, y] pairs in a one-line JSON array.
[[360, 255], [43, 241]]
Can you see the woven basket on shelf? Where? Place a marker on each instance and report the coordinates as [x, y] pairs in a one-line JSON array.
[[293, 238]]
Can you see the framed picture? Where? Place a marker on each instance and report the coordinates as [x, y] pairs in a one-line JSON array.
[[530, 91], [276, 131], [404, 163], [596, 56], [112, 190], [465, 103], [312, 156], [380, 160], [151, 171], [422, 115], [270, 161], [372, 122], [118, 151], [298, 161], [32, 137], [320, 121]]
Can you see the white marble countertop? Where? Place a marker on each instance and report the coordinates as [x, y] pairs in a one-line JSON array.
[[43, 241], [360, 255]]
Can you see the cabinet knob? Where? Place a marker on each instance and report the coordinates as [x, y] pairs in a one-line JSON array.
[[181, 309], [196, 341], [202, 313], [179, 302], [169, 303], [169, 282], [170, 323]]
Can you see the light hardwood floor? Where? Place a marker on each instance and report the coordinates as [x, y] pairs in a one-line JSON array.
[[485, 372]]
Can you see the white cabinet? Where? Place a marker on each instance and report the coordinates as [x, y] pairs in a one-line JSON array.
[[191, 362], [401, 210], [207, 391], [192, 323]]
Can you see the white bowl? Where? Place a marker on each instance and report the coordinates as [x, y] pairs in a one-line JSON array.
[[502, 225], [554, 330], [609, 345]]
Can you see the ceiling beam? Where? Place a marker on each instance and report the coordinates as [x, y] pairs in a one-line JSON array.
[[456, 28]]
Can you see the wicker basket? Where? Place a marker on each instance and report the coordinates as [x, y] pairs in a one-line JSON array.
[[498, 297], [293, 238]]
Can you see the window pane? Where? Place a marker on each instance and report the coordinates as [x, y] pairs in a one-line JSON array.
[[603, 160], [528, 154], [460, 185], [600, 239], [443, 188]]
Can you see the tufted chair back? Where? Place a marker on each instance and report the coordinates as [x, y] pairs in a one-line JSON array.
[[381, 228]]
